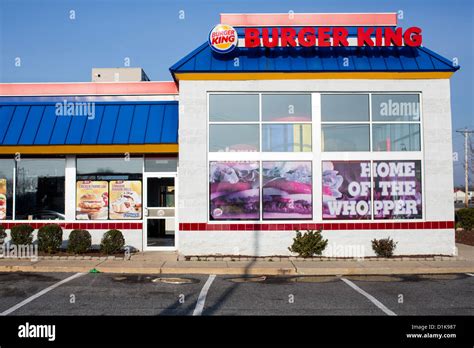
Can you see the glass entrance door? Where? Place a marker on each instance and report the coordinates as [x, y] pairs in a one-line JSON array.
[[159, 213]]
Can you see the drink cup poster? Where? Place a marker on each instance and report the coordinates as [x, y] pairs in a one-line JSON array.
[[234, 189], [92, 200], [346, 190], [287, 190], [3, 199], [397, 190], [125, 200]]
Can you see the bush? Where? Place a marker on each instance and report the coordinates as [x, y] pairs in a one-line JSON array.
[[384, 247], [50, 238], [112, 242], [79, 241], [308, 244], [465, 218], [22, 234], [3, 234]]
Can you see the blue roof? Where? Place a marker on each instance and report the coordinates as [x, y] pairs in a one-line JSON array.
[[314, 59], [36, 123]]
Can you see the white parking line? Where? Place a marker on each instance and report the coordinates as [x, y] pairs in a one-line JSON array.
[[470, 274], [369, 296], [202, 295], [41, 293]]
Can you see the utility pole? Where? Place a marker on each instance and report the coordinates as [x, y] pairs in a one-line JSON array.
[[466, 133]]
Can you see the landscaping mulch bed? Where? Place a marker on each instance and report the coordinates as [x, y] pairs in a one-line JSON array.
[[465, 237], [92, 253]]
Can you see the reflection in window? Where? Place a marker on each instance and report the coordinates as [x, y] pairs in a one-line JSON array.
[[234, 189], [395, 107], [286, 107], [109, 168], [6, 188], [396, 137], [346, 137], [40, 188], [344, 107], [233, 107], [286, 138], [235, 137], [287, 190]]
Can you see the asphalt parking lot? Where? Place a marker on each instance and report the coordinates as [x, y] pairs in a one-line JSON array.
[[116, 294]]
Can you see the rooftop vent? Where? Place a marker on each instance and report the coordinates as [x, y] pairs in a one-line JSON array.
[[118, 75]]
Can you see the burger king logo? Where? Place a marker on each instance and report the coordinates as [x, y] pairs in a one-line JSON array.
[[223, 38]]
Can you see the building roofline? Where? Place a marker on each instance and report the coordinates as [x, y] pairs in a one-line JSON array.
[[89, 88], [309, 19]]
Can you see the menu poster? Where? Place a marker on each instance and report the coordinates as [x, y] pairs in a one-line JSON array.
[[3, 199], [92, 200], [125, 200]]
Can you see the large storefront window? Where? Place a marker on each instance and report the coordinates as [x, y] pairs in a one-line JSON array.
[[109, 188], [40, 189]]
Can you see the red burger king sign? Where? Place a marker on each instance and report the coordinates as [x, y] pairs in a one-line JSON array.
[[223, 38]]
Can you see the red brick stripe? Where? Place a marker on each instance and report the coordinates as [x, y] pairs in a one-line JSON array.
[[81, 225], [427, 225]]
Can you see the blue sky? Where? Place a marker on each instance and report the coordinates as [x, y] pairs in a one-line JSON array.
[[53, 47]]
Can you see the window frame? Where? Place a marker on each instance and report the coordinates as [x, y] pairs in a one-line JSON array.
[[317, 156]]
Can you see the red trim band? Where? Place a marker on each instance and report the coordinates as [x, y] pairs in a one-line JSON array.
[[81, 225], [428, 225]]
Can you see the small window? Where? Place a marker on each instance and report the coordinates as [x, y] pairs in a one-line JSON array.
[[344, 107], [345, 137], [233, 108], [235, 137], [286, 107], [109, 168], [395, 107], [396, 137], [161, 164], [286, 137]]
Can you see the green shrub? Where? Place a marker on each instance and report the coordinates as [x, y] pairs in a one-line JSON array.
[[465, 218], [22, 234], [384, 247], [308, 244], [3, 234], [50, 238], [79, 241], [112, 242]]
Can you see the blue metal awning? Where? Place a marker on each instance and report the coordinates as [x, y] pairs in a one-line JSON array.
[[314, 59], [111, 123]]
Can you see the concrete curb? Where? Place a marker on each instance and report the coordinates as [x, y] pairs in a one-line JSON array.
[[242, 269]]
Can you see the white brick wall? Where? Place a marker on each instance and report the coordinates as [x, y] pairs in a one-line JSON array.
[[193, 181]]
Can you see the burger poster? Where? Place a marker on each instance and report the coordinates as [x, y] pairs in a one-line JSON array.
[[125, 200], [3, 199], [92, 200]]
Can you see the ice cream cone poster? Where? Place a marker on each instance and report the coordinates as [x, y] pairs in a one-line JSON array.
[[346, 190], [125, 200], [3, 199], [92, 200], [287, 190]]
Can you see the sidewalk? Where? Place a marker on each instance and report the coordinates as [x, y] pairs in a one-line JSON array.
[[166, 263]]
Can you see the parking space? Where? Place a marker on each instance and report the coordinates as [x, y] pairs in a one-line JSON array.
[[441, 294], [15, 287], [112, 294], [285, 296], [117, 294]]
